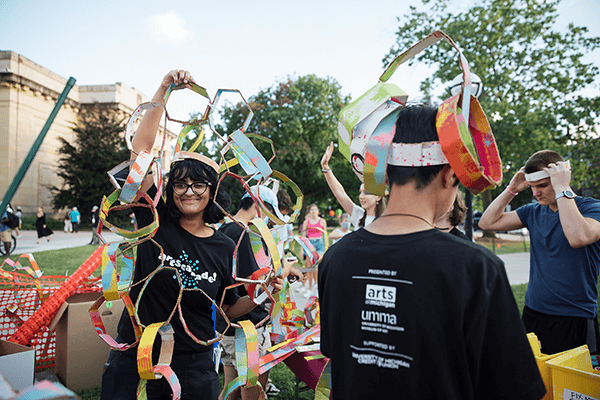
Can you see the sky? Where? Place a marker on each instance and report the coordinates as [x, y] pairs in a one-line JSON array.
[[234, 44]]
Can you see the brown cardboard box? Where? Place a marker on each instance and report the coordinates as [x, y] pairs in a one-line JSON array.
[[80, 352], [17, 364]]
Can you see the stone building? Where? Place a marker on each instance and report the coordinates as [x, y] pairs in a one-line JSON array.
[[28, 94]]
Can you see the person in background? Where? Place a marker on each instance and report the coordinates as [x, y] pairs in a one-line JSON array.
[[5, 235], [371, 206], [456, 216], [95, 219], [284, 232], [342, 230], [247, 265], [68, 226], [561, 302], [75, 217], [314, 228], [40, 226], [19, 214], [414, 312]]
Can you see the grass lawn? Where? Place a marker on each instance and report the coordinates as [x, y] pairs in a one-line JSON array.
[[57, 262]]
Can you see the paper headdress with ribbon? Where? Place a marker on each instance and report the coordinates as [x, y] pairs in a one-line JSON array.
[[367, 127]]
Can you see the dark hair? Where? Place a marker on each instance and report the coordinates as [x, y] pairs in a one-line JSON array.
[[197, 171], [247, 202], [415, 124], [379, 209], [459, 212], [540, 160], [284, 200]]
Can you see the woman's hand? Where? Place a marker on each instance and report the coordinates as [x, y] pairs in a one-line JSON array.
[[327, 156], [177, 76]]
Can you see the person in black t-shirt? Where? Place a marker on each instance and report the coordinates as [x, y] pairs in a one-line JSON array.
[[195, 257], [412, 312], [247, 265]]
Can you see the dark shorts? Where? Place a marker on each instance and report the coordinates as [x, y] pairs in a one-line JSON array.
[[195, 371], [557, 333]]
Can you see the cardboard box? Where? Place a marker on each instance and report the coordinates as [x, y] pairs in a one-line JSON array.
[[17, 364], [80, 352]]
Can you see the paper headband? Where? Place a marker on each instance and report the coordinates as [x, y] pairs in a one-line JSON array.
[[182, 155], [417, 154], [367, 128], [536, 176]]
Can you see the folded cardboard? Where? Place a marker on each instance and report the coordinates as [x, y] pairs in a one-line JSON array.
[[80, 352], [17, 364]]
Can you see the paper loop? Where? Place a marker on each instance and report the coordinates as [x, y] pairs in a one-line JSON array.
[[107, 205], [219, 336], [135, 116], [144, 353], [101, 329], [110, 258], [137, 174], [161, 268], [213, 107]]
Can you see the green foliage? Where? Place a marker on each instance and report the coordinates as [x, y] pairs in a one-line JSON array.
[[28, 223], [98, 146], [532, 75], [299, 116]]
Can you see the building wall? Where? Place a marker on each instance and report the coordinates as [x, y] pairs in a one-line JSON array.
[[28, 94]]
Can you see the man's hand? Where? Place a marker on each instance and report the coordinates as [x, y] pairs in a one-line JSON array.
[[518, 183], [560, 176]]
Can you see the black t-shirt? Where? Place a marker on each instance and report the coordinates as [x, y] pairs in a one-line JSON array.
[[246, 265], [422, 316], [456, 232], [202, 263]]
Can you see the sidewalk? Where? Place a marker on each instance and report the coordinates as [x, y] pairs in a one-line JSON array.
[[59, 240]]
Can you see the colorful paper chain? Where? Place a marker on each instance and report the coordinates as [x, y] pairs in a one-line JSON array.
[[118, 260]]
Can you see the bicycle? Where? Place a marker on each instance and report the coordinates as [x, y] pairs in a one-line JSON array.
[[13, 246]]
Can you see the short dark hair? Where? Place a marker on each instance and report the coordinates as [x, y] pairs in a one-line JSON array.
[[199, 172], [284, 200], [540, 160], [415, 124], [247, 202]]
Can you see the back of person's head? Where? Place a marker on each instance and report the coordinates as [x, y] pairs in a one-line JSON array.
[[285, 201], [415, 124], [266, 195], [459, 212], [540, 160], [198, 172]]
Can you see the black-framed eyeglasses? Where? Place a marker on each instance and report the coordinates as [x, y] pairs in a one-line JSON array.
[[180, 188]]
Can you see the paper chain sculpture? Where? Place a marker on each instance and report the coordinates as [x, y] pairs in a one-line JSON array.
[[118, 260], [366, 130]]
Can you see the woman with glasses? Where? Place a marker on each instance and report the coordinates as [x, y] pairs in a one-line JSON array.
[[196, 258]]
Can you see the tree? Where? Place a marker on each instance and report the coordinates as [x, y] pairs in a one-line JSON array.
[[98, 146], [300, 116], [532, 74]]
